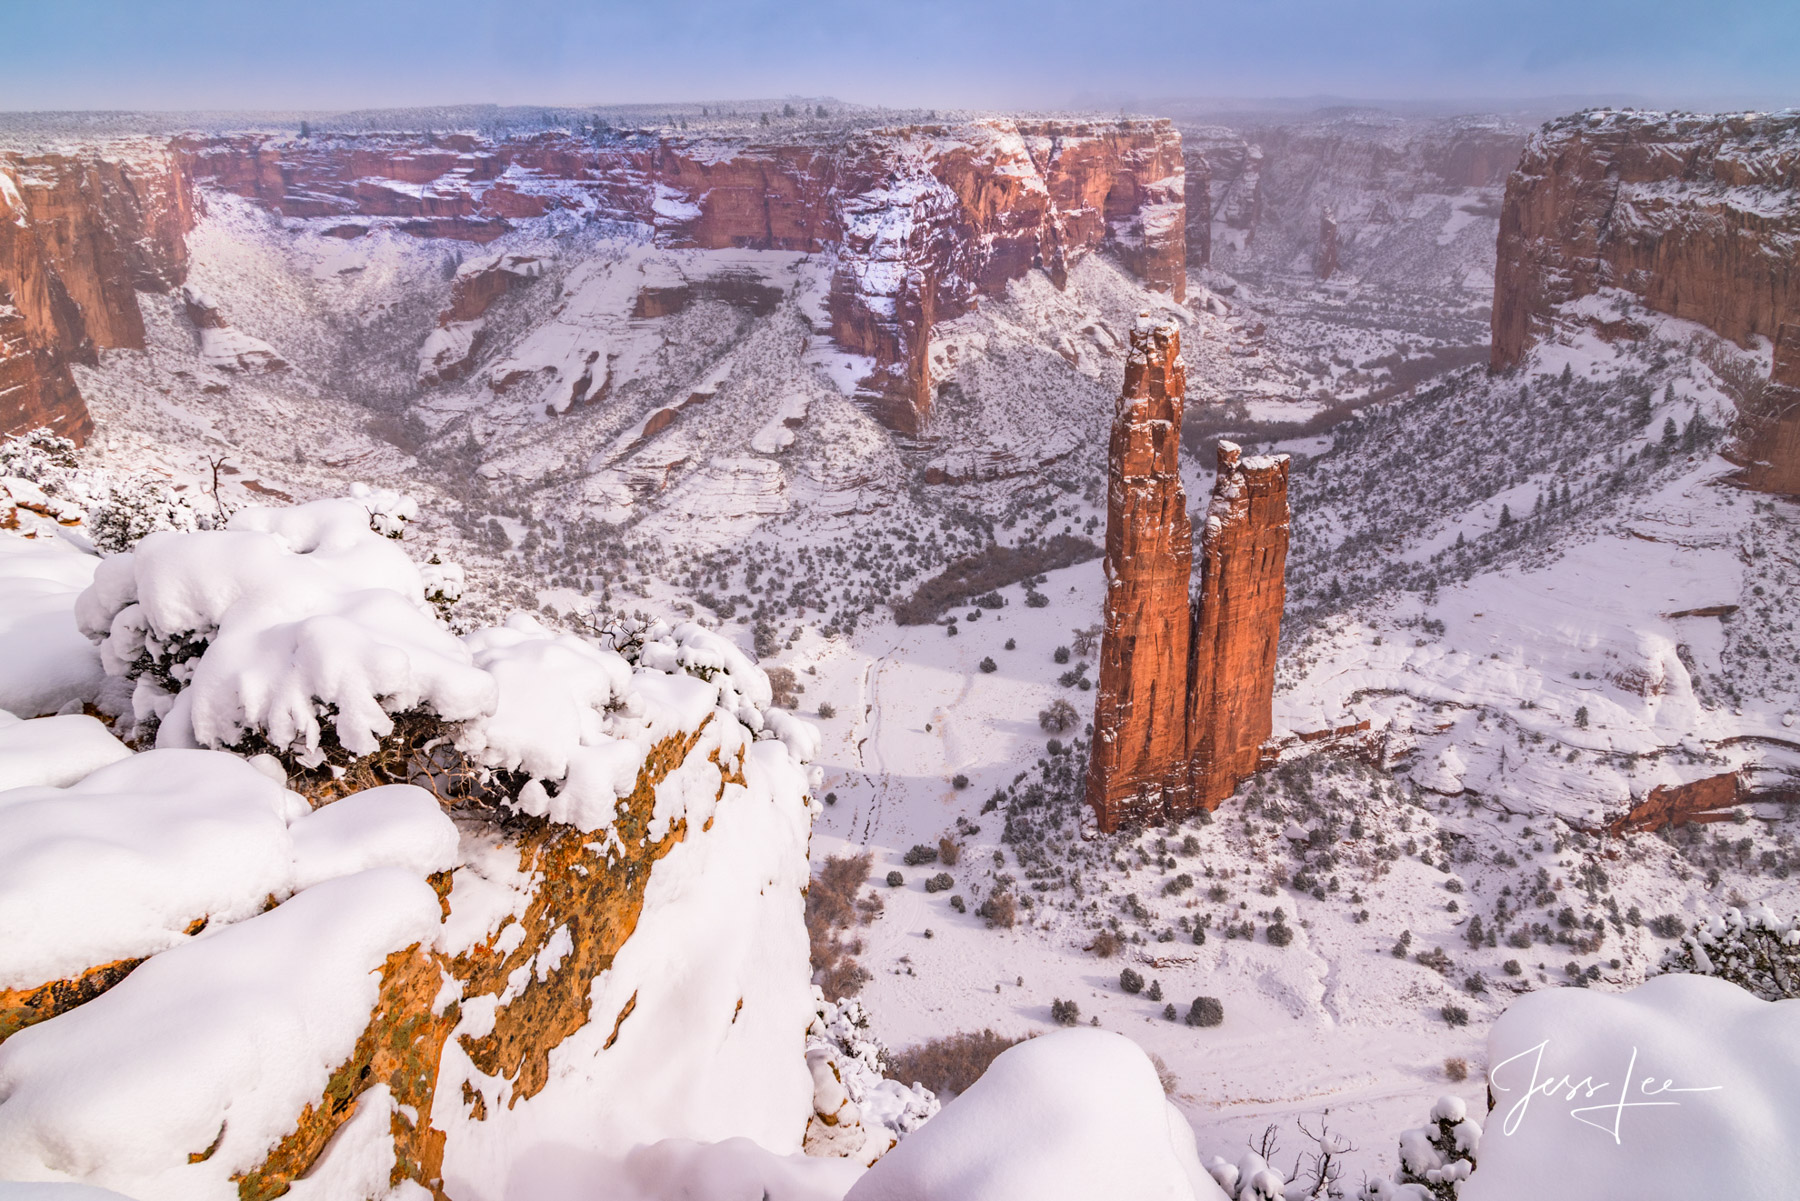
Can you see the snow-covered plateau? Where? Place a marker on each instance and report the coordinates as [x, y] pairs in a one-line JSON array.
[[512, 721]]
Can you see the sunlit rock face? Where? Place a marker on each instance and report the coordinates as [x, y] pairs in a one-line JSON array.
[[1186, 686], [1697, 216], [919, 221], [80, 236]]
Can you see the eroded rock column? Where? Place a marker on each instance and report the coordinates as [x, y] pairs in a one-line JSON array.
[[1769, 429], [1237, 623], [1137, 771]]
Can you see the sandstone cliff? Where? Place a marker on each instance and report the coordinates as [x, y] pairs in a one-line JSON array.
[[1138, 764], [920, 221], [1186, 686], [1237, 622], [1698, 216], [1768, 434], [80, 236]]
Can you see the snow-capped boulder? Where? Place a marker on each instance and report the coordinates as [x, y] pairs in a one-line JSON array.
[[1073, 1115], [54, 751], [1686, 1086], [49, 665]]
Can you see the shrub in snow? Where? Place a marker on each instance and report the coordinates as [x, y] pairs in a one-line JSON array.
[[895, 879], [1454, 1015], [1435, 1159], [1059, 718], [298, 631], [951, 1064], [920, 853], [1131, 981], [827, 710], [858, 1112], [1694, 1084], [116, 509], [999, 909], [988, 665], [1279, 934], [1065, 1013], [1757, 951], [1206, 1011], [1071, 1116], [940, 883]]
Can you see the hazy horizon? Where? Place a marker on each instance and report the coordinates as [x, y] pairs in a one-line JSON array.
[[100, 55]]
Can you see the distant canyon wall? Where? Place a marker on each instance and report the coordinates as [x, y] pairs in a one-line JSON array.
[[1346, 191], [1698, 216], [920, 221], [80, 236]]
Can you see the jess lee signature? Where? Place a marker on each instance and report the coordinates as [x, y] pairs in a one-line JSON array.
[[1628, 1093]]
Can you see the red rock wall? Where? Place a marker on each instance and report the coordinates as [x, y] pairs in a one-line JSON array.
[[80, 236], [1709, 799], [1768, 435], [1237, 623], [1138, 768], [921, 220], [1699, 216]]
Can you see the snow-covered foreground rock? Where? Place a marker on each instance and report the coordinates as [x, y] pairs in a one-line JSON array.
[[1069, 1116], [225, 976], [1685, 1086]]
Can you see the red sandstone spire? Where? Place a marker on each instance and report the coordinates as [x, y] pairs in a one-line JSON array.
[[1237, 622], [1140, 717], [1185, 687]]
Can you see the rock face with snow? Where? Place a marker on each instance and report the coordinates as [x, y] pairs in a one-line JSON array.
[[1186, 686], [1768, 442], [1139, 763], [1697, 216], [586, 927], [1237, 623], [80, 235], [1076, 1114], [920, 221]]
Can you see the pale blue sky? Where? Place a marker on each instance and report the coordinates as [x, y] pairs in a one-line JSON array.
[[336, 54]]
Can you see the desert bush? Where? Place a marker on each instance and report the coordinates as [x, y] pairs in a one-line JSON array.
[[1061, 655], [831, 907], [940, 883], [1454, 1015], [1456, 1069], [988, 665], [895, 879], [1131, 981], [1105, 944], [1065, 1013], [1059, 718], [999, 910], [952, 1063], [827, 710], [1206, 1011], [920, 853], [1757, 951], [958, 904], [948, 851], [783, 686]]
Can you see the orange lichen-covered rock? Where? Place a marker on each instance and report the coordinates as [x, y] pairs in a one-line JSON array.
[[1237, 622], [1138, 767]]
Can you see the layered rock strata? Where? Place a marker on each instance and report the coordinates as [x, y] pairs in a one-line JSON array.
[[80, 236], [919, 222], [1698, 216], [1186, 685]]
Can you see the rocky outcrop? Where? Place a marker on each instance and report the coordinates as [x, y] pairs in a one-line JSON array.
[[919, 221], [80, 236], [221, 344], [1186, 686], [449, 351], [1237, 623], [1197, 200], [1709, 799], [1768, 434], [1138, 766], [1325, 258], [1697, 216]]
